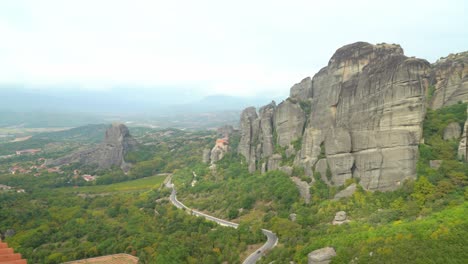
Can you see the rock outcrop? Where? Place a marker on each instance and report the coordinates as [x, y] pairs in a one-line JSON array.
[[206, 155], [452, 131], [348, 192], [219, 150], [321, 256], [249, 128], [117, 143], [225, 131], [340, 218], [361, 115], [302, 91], [449, 80], [462, 147], [303, 187], [289, 122], [367, 110]]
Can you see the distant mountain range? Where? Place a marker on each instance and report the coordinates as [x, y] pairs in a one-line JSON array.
[[25, 107], [119, 101]]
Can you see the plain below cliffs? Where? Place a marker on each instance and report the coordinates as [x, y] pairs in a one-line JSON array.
[[359, 117], [111, 152]]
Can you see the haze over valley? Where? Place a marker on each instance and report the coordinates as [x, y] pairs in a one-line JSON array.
[[246, 132]]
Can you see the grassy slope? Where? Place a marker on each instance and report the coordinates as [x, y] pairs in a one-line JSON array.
[[147, 183]]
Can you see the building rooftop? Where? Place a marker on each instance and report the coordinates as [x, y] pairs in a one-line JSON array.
[[110, 259]]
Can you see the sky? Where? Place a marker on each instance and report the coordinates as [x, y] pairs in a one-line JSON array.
[[239, 48]]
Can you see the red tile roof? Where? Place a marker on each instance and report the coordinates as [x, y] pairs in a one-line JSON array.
[[8, 256]]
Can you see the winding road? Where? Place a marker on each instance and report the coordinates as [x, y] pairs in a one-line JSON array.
[[272, 239]]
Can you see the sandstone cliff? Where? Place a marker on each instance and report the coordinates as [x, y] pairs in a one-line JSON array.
[[361, 116], [449, 80], [117, 143]]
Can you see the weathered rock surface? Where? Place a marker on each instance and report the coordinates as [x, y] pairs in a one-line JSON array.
[[293, 217], [249, 127], [435, 164], [302, 91], [266, 129], [225, 131], [303, 187], [369, 102], [274, 162], [286, 169], [452, 131], [362, 115], [348, 192], [206, 155], [340, 218], [462, 147], [117, 143], [289, 122], [9, 233], [321, 256], [450, 80]]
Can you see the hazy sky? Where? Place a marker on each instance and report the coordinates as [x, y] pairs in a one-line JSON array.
[[216, 47]]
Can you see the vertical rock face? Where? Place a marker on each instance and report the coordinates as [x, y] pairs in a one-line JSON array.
[[225, 131], [302, 91], [289, 122], [266, 129], [117, 143], [462, 147], [449, 78], [249, 127], [368, 108], [452, 131], [206, 156], [365, 109]]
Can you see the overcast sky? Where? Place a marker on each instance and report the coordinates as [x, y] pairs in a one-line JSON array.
[[213, 47]]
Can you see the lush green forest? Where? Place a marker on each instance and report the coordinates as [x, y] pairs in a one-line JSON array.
[[60, 218], [422, 222]]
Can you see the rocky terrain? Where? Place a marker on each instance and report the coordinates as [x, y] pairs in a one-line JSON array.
[[359, 117], [449, 80], [111, 152]]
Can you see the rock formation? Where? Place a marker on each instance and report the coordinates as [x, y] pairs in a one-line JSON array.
[[289, 122], [219, 150], [340, 218], [462, 147], [249, 128], [206, 155], [225, 131], [349, 191], [117, 143], [361, 116], [449, 80], [303, 187], [452, 131], [321, 256]]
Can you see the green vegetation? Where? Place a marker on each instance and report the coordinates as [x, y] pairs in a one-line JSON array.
[[322, 154], [233, 188], [56, 224], [53, 227], [424, 221], [84, 134], [152, 182]]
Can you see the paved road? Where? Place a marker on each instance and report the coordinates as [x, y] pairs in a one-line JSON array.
[[272, 239]]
